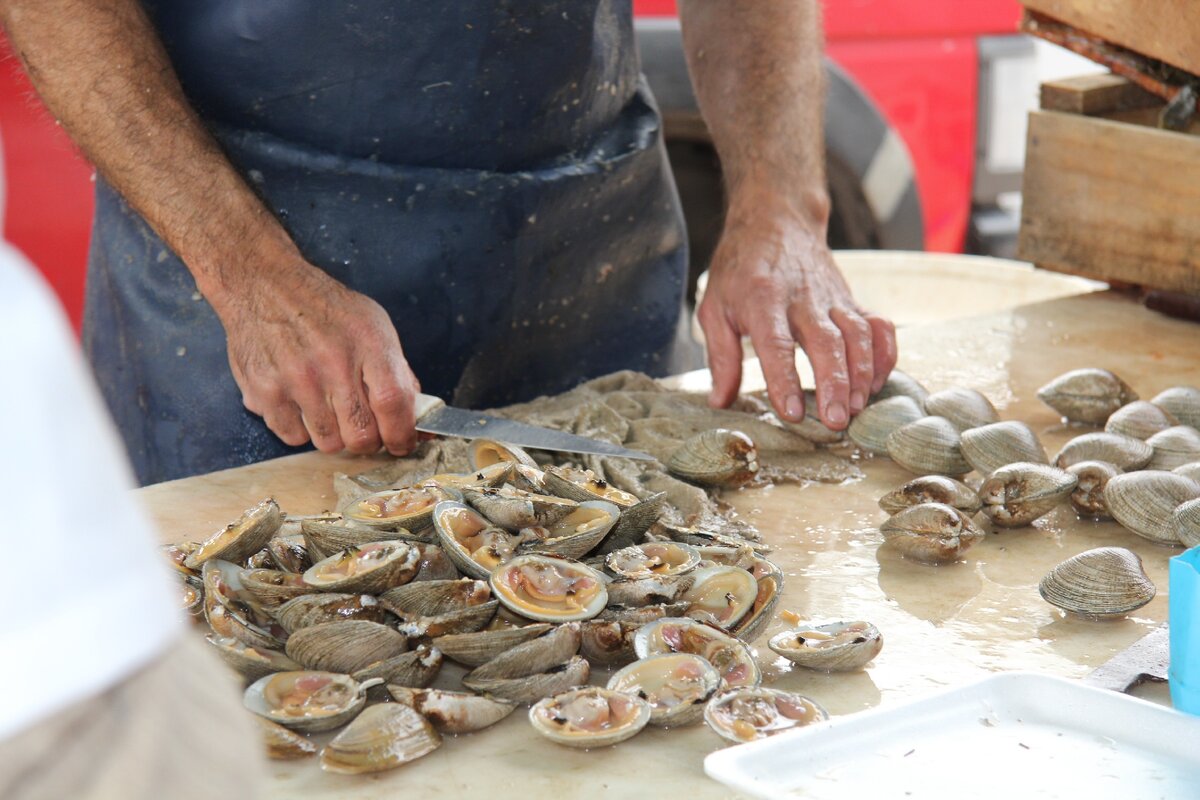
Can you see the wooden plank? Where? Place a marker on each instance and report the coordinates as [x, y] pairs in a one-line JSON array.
[[1165, 29], [1095, 94], [1112, 201]]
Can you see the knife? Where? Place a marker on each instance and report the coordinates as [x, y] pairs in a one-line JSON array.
[[1146, 659], [434, 416]]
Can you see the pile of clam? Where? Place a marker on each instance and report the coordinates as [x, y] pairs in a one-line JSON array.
[[526, 578], [1142, 470]]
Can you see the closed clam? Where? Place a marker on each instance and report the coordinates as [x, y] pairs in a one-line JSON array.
[[1144, 501], [416, 668], [1140, 419], [241, 538], [872, 426], [811, 427], [409, 507], [289, 554], [282, 744], [830, 646], [306, 700], [486, 452], [470, 540], [1088, 496], [652, 558], [478, 647], [369, 568], [589, 717], [929, 446], [436, 608], [1017, 494], [931, 489], [676, 685], [382, 737], [1124, 452], [730, 656], [1087, 395], [535, 669], [453, 712], [721, 596], [1183, 402], [965, 408], [1186, 521], [1174, 447], [1097, 584], [901, 384], [344, 646], [987, 448], [748, 714], [316, 609], [272, 587], [931, 532], [514, 509], [1189, 470], [549, 589], [576, 534], [716, 457]]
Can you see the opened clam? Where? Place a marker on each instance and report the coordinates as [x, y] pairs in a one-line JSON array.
[[929, 446], [748, 714], [549, 589], [931, 532], [1140, 419], [1017, 494], [241, 538], [830, 646], [769, 579], [470, 540], [514, 509], [1087, 395], [989, 447], [717, 457], [871, 427], [250, 662], [965, 408], [676, 685], [369, 568], [453, 712], [410, 507], [487, 452], [931, 489], [730, 656], [1143, 502], [382, 737], [652, 558], [272, 587], [307, 701], [1123, 452], [589, 717], [1098, 584], [576, 534], [721, 595]]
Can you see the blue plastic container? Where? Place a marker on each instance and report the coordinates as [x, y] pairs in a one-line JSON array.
[[1184, 610]]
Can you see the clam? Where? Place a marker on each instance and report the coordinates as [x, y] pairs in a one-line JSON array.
[[965, 408], [514, 509], [282, 744], [581, 485], [1174, 447], [323, 538], [900, 384], [289, 554], [230, 610], [382, 737], [747, 714], [241, 538], [344, 646], [272, 587], [576, 534], [306, 700], [871, 427], [1140, 419], [676, 685], [436, 608], [770, 584], [492, 475], [989, 447], [486, 452], [472, 543], [811, 427], [177, 554], [931, 532], [721, 596], [1144, 501], [931, 489], [191, 599], [1019, 493], [830, 647], [649, 591], [453, 712], [589, 717], [1088, 496], [435, 565], [717, 457], [731, 657], [1190, 470], [518, 684], [250, 662], [1087, 395], [1123, 452], [1097, 584], [609, 643], [1186, 519], [1182, 402], [410, 507], [316, 609], [929, 446], [652, 558], [368, 569], [416, 668], [479, 647], [549, 589]]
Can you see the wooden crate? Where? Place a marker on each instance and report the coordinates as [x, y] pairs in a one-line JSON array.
[[1108, 195]]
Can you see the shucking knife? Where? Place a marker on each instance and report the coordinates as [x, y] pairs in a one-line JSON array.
[[1146, 659], [434, 416]]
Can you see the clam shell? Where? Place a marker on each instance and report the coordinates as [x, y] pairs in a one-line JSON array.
[[965, 408], [609, 643], [416, 668], [745, 715], [1144, 501], [230, 610], [1098, 584], [589, 717], [652, 559], [272, 697], [1186, 520], [987, 448], [241, 538], [934, 533], [1174, 447], [1087, 395], [531, 688], [770, 587], [872, 426], [466, 619], [531, 657], [649, 591], [514, 509], [435, 565], [317, 609], [901, 384], [675, 685], [1016, 495], [366, 569], [634, 522], [323, 538], [811, 427], [428, 598], [409, 507], [1183, 402], [486, 452], [717, 457], [931, 489], [471, 542], [929, 446], [582, 485], [272, 587], [382, 737], [579, 532], [477, 648], [282, 744], [289, 553], [549, 589], [344, 646], [831, 646], [721, 596], [249, 662], [1189, 470], [732, 658], [1124, 452], [453, 712], [1088, 497], [495, 475], [1140, 419]]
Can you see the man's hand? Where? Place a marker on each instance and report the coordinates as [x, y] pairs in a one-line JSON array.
[[773, 279]]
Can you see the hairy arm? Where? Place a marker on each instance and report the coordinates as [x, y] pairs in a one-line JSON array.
[[315, 359], [756, 66]]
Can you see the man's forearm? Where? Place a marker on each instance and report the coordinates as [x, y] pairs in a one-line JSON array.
[[756, 67], [102, 71]]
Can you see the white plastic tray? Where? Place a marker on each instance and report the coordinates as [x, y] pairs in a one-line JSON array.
[[1013, 735]]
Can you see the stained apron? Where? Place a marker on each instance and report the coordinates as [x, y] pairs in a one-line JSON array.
[[491, 172]]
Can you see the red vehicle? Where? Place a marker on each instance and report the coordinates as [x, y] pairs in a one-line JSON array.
[[909, 127]]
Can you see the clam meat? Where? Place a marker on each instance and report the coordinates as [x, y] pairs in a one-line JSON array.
[[747, 714], [409, 508], [472, 542], [721, 596], [676, 685], [653, 558], [549, 589], [307, 701], [831, 646], [589, 717]]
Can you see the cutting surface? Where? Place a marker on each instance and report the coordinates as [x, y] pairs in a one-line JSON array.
[[941, 625]]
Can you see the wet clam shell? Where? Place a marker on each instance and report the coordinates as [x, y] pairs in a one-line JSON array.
[[811, 427], [1186, 521], [282, 744], [260, 698], [1098, 584], [731, 656], [413, 515], [1088, 496], [495, 475], [1016, 495], [575, 671], [850, 646], [582, 485], [316, 609], [530, 657], [1174, 447], [1183, 402], [931, 489], [609, 642], [323, 538], [579, 532], [1140, 419], [344, 646], [272, 587], [1087, 395], [901, 384], [872, 426], [241, 538], [676, 685], [382, 737], [583, 598], [745, 715], [250, 663], [436, 608], [455, 523], [479, 647], [416, 668], [631, 714], [934, 533], [514, 509], [987, 448], [929, 446], [718, 457], [770, 588], [383, 565], [1124, 452], [486, 452], [1144, 501], [649, 591], [965, 408], [289, 554], [453, 712], [653, 558], [1189, 470], [635, 520], [720, 595]]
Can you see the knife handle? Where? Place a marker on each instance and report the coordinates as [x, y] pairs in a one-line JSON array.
[[424, 403]]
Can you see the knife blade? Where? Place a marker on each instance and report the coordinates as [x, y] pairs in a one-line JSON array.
[[1146, 659], [434, 416]]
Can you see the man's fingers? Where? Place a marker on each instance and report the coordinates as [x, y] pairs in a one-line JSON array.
[[860, 355], [883, 341], [724, 346], [822, 341], [776, 349], [391, 387], [319, 419], [356, 423]]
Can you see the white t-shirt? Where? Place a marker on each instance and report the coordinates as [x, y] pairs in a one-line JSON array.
[[85, 598]]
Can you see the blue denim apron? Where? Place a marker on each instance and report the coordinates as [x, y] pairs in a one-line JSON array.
[[490, 171]]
